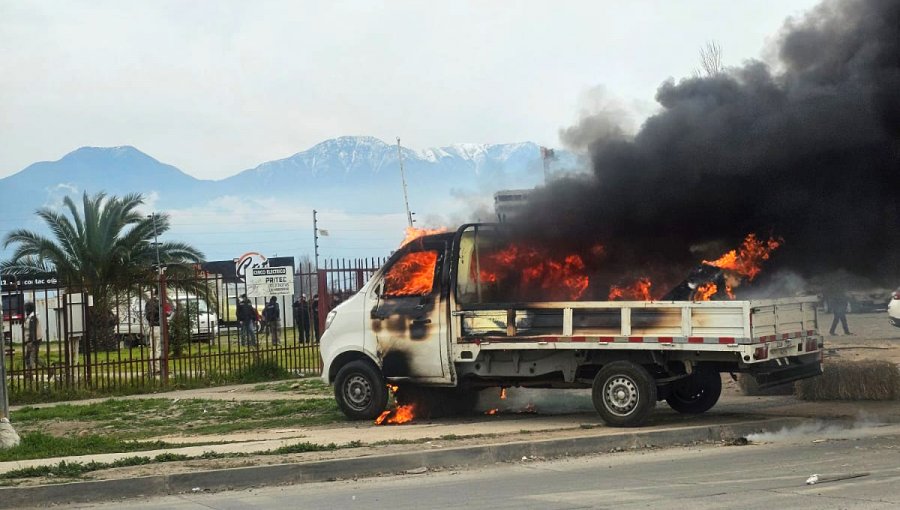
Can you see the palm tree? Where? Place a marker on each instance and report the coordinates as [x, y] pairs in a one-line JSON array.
[[105, 248]]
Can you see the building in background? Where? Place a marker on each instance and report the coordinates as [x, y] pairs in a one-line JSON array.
[[509, 203]]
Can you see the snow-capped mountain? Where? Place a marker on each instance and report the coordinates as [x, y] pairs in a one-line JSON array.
[[367, 161], [356, 175]]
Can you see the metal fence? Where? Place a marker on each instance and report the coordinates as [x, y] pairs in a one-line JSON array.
[[100, 340]]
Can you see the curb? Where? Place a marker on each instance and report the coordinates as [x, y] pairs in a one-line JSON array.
[[329, 470]]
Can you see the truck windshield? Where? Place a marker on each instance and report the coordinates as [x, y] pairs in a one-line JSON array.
[[412, 275]]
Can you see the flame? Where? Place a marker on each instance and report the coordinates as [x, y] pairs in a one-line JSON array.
[[413, 233], [397, 415], [533, 271], [746, 261], [502, 393], [402, 414], [492, 411], [637, 291], [706, 291], [413, 275]]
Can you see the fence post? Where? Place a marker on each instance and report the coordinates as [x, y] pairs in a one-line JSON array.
[[321, 275], [164, 333]]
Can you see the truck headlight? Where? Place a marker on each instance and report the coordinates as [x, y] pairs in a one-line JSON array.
[[330, 318]]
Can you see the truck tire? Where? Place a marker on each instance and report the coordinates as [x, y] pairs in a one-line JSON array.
[[360, 391], [624, 393], [696, 393]]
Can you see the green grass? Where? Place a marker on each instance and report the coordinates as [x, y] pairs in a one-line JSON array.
[[141, 418], [77, 469], [39, 445]]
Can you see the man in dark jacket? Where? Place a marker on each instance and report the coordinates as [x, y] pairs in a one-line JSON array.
[[247, 318], [301, 318], [34, 335], [837, 303], [272, 316]]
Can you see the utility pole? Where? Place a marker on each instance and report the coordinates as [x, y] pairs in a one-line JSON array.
[[4, 398], [8, 436], [403, 180], [160, 297]]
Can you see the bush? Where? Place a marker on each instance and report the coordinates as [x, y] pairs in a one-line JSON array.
[[853, 380]]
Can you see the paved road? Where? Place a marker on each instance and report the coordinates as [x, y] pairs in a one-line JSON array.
[[769, 473]]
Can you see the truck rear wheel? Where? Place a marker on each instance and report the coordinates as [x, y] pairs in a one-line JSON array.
[[360, 391], [696, 393], [624, 393]]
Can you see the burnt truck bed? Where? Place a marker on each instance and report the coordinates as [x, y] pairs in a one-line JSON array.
[[777, 341]]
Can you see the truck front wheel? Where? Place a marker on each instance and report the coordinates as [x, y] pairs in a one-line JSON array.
[[360, 391], [623, 393], [696, 393]]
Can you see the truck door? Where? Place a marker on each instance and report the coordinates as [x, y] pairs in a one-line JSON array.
[[408, 318]]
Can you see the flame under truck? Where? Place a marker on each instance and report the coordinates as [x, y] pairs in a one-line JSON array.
[[429, 321]]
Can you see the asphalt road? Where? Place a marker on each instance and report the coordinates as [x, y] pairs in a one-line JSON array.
[[770, 472]]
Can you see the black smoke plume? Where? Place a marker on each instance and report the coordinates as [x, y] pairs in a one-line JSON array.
[[807, 150]]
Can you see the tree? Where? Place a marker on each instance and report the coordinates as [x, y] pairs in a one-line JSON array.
[[711, 59], [105, 248]]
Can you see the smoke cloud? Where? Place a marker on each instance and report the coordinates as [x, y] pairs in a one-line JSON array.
[[807, 150]]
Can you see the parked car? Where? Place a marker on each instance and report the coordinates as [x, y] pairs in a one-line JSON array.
[[894, 308]]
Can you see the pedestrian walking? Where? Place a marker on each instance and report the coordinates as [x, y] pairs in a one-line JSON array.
[[837, 303], [151, 314], [272, 316], [34, 336]]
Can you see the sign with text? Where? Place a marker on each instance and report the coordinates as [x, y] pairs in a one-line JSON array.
[[269, 281]]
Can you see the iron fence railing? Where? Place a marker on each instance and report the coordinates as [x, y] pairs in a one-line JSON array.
[[100, 339]]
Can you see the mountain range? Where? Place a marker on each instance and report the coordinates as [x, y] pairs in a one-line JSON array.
[[357, 171], [348, 175]]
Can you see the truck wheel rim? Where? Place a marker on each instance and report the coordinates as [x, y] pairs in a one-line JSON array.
[[620, 395], [357, 392]]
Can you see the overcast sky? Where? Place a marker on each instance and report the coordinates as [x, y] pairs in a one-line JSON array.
[[218, 87]]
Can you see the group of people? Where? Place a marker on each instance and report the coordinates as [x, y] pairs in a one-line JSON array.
[[306, 312], [269, 322]]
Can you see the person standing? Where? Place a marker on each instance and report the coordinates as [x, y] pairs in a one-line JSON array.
[[838, 302], [272, 316], [151, 313], [301, 318], [247, 318], [34, 335], [315, 316]]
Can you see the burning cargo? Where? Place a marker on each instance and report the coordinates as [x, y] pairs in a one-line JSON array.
[[453, 313]]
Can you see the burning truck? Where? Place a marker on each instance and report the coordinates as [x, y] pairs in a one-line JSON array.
[[451, 314]]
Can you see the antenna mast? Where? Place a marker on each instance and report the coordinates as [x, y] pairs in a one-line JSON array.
[[403, 179]]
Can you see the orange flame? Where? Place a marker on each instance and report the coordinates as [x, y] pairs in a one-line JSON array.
[[413, 275], [502, 393], [398, 415], [402, 414], [492, 411], [413, 233], [705, 292], [747, 260], [537, 272], [637, 291]]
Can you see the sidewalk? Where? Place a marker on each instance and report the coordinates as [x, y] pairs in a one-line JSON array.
[[482, 429]]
